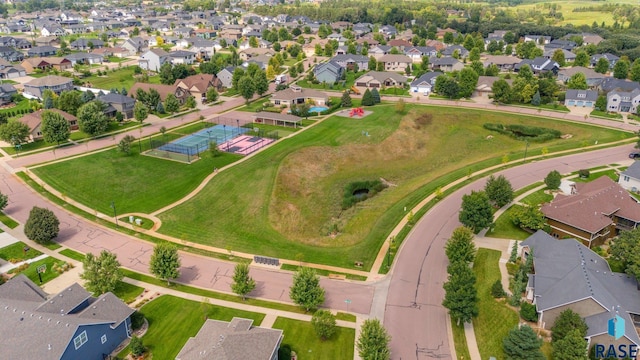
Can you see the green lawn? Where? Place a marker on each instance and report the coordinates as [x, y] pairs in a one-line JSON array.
[[9, 222], [255, 105], [16, 252], [537, 198], [495, 319], [505, 229], [172, 321], [134, 183], [394, 91], [325, 272], [460, 341], [613, 174], [118, 79], [296, 185], [21, 105], [48, 275], [604, 114], [127, 292], [302, 339], [72, 254], [350, 79]]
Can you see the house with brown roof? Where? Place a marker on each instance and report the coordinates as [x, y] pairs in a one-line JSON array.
[[55, 83], [294, 95], [593, 212], [251, 53], [236, 339], [395, 62], [198, 85], [181, 93], [34, 122], [380, 79], [484, 87]]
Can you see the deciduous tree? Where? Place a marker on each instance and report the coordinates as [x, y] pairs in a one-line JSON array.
[[260, 83], [602, 65], [69, 101], [461, 296], [467, 81], [125, 144], [55, 128], [101, 273], [553, 179], [140, 112], [246, 88], [501, 92], [42, 226], [566, 322], [243, 283], [212, 94], [558, 56], [91, 119], [577, 81], [171, 104], [4, 201], [306, 290], [572, 347], [373, 342], [626, 248], [499, 190], [165, 262], [476, 211], [324, 323], [14, 132], [460, 246], [621, 69]]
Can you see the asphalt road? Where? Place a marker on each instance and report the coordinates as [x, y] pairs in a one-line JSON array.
[[414, 316]]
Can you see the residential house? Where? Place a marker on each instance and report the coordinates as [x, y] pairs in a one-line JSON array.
[[424, 84], [137, 45], [388, 31], [10, 54], [118, 103], [540, 65], [581, 98], [380, 79], [379, 51], [47, 41], [339, 38], [184, 32], [609, 84], [182, 57], [34, 122], [459, 49], [55, 83], [538, 39], [31, 64], [226, 77], [416, 53], [484, 87], [6, 93], [393, 62], [180, 93], [560, 44], [593, 212], [294, 95], [445, 64], [197, 85], [250, 53], [328, 72], [10, 71], [71, 324], [153, 59], [568, 55], [593, 78], [503, 62], [204, 49], [42, 51], [623, 101], [84, 58], [52, 30], [236, 339], [205, 33], [612, 59], [568, 275], [630, 178], [86, 44], [440, 33], [58, 63], [352, 62]]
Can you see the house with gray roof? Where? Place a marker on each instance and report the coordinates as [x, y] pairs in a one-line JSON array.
[[445, 64], [612, 59], [630, 178], [55, 83], [86, 44], [623, 101], [609, 84], [449, 51], [539, 65], [380, 79], [153, 59], [425, 83], [581, 98], [69, 325], [352, 62], [182, 57], [568, 275], [328, 72], [593, 78]]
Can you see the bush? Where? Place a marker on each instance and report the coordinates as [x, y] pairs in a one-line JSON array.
[[137, 320], [284, 353], [136, 346], [528, 312], [373, 187], [497, 291], [584, 173], [522, 132]]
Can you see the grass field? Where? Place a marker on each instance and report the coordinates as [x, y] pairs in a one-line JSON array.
[[505, 229], [9, 222], [296, 186], [48, 275], [117, 79], [537, 198], [16, 251], [98, 179], [494, 318], [172, 321], [302, 339], [460, 341], [127, 292], [72, 254], [575, 18]]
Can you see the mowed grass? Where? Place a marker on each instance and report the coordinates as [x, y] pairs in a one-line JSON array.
[[173, 320], [32, 274], [127, 292], [120, 78], [302, 339], [505, 228], [537, 198], [575, 18], [16, 251], [287, 199], [494, 318], [135, 183]]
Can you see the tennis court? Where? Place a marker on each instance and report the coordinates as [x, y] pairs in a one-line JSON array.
[[199, 141]]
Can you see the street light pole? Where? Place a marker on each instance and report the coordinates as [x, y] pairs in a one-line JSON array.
[[115, 213], [526, 147]]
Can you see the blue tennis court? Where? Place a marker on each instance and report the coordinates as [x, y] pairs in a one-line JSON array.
[[199, 141]]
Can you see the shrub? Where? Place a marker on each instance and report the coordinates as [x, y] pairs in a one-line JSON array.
[[373, 187], [284, 352], [584, 173], [497, 291], [523, 132], [528, 312], [137, 320], [136, 346]]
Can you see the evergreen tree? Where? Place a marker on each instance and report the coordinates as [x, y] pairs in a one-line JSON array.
[[345, 100], [536, 99], [160, 108], [566, 322], [367, 98], [375, 95], [499, 190], [522, 343], [460, 246], [571, 347]]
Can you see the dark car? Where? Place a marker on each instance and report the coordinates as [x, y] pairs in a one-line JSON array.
[[634, 155]]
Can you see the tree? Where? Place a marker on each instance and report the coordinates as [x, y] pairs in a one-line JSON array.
[[91, 120], [160, 108], [566, 322], [260, 83], [626, 248], [242, 282], [246, 88], [87, 96], [582, 59], [501, 91], [572, 347], [136, 346], [478, 67], [476, 211], [467, 82], [171, 104], [601, 103], [55, 128], [375, 95], [528, 312], [345, 101], [253, 42], [558, 56], [499, 190], [306, 290], [42, 226], [634, 73], [528, 217], [460, 246], [214, 150], [602, 65], [212, 94], [238, 73], [577, 81], [4, 201], [14, 132], [621, 69], [166, 75], [553, 179], [101, 273], [373, 342], [497, 291], [536, 99], [140, 112], [125, 144], [190, 103], [372, 63], [367, 99], [165, 262], [447, 86], [69, 101], [324, 323], [461, 296], [522, 343], [48, 99]]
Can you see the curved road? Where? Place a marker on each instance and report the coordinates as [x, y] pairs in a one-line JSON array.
[[414, 316]]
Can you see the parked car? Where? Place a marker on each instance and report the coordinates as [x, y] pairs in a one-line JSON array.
[[634, 155]]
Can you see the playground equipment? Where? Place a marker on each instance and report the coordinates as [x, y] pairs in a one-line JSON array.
[[355, 90], [356, 111]]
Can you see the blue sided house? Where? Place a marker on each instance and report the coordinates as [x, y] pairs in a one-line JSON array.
[[69, 325]]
